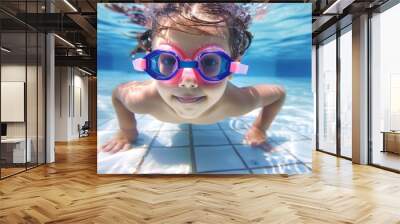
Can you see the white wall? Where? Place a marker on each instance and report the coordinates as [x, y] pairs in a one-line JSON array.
[[33, 127], [13, 101], [16, 73], [71, 87], [61, 103], [12, 73], [81, 89]]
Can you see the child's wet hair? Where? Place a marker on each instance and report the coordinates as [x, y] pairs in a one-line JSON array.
[[235, 17]]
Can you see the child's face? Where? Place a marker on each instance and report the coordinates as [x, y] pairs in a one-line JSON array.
[[188, 96]]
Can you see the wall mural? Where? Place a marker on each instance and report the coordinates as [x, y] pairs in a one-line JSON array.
[[204, 88]]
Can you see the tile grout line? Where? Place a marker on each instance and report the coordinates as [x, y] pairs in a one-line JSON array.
[[304, 136], [191, 145], [304, 164], [192, 152], [288, 151], [287, 141], [278, 144], [234, 149], [185, 146], [139, 166], [259, 167], [297, 158]]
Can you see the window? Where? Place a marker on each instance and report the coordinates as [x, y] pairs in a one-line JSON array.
[[346, 92], [327, 95], [385, 89]]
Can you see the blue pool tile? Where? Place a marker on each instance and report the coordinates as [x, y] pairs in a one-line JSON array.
[[209, 137], [236, 136], [205, 127], [284, 135], [289, 169], [305, 129], [102, 121], [171, 138], [301, 149], [148, 125], [144, 139], [124, 162], [104, 136], [217, 158], [174, 127], [231, 172], [167, 161], [250, 117], [233, 124], [256, 157], [278, 125]]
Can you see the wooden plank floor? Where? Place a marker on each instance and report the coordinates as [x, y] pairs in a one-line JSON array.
[[70, 191]]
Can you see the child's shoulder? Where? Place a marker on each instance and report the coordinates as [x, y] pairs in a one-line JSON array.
[[134, 84], [138, 96], [133, 87]]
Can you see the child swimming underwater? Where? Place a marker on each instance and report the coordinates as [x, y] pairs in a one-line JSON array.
[[192, 50]]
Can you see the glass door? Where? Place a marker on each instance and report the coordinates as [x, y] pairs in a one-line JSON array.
[[14, 153], [327, 95], [22, 77]]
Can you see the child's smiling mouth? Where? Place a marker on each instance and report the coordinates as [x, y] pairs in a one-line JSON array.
[[189, 99]]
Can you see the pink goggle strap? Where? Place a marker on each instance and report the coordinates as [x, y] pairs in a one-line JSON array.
[[238, 68], [139, 64]]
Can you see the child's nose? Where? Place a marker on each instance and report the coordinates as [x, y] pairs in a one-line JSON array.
[[188, 79]]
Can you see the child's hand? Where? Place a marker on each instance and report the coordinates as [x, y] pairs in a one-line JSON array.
[[255, 136], [121, 141]]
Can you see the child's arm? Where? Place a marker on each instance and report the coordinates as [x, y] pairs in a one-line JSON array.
[[127, 133], [271, 99]]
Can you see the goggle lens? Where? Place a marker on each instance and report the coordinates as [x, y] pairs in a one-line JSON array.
[[210, 64], [165, 64]]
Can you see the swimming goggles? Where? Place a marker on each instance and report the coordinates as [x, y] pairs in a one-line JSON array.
[[212, 65]]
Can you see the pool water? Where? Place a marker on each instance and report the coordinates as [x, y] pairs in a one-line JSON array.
[[282, 58]]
